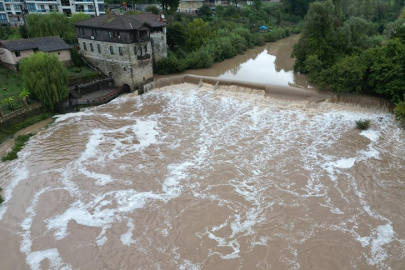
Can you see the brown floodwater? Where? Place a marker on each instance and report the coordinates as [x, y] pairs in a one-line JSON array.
[[269, 64], [190, 178]]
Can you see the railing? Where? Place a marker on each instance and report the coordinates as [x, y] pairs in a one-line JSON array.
[[143, 57]]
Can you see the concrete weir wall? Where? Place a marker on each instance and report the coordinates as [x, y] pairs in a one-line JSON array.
[[274, 90], [284, 92]]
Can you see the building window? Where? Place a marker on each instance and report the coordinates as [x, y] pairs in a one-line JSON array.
[[121, 51], [3, 18], [117, 34], [17, 53], [111, 49], [17, 7], [98, 48], [100, 7], [145, 48], [1, 7], [140, 51], [94, 32], [58, 53], [109, 34], [91, 47], [84, 46]]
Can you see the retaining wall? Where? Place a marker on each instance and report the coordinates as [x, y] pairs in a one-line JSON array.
[[20, 115]]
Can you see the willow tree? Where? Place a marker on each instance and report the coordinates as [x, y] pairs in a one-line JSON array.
[[45, 77]]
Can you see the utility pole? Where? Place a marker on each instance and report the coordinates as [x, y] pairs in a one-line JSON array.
[[95, 8]]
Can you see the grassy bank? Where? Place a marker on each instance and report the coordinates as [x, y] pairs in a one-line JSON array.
[[7, 132], [19, 143]]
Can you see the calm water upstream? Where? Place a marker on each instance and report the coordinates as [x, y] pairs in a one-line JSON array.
[[269, 64], [187, 178]]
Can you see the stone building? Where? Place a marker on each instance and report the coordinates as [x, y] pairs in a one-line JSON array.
[[124, 47], [12, 51]]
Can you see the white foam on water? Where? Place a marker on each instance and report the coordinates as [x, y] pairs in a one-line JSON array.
[[372, 135], [126, 238], [66, 116], [34, 258], [345, 163], [20, 173]]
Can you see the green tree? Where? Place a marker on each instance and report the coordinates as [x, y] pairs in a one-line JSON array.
[[318, 36], [257, 4], [24, 95], [45, 77], [176, 34], [199, 33], [152, 9], [9, 102], [204, 10], [169, 5]]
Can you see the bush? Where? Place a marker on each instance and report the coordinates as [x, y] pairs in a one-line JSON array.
[[19, 143], [363, 124], [200, 59], [171, 65], [399, 111], [152, 9], [76, 59], [75, 69]]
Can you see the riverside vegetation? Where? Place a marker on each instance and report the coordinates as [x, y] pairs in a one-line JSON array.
[[350, 47], [199, 42]]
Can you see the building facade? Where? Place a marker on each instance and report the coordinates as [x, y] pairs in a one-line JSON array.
[[11, 10], [12, 51], [124, 47]]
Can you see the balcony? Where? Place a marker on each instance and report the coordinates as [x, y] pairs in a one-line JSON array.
[[143, 57]]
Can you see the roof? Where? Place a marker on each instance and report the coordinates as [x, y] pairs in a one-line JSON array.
[[122, 22], [45, 44]]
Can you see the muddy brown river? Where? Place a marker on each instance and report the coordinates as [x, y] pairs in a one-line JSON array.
[[191, 178]]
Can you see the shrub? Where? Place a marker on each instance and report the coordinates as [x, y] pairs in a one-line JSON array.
[[76, 59], [363, 124], [171, 65], [19, 143], [200, 59], [152, 9], [75, 69], [399, 111]]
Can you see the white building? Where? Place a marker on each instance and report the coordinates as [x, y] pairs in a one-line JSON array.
[[11, 10]]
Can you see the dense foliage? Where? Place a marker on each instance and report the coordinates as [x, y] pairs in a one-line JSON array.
[[45, 77], [348, 53], [199, 42], [54, 24]]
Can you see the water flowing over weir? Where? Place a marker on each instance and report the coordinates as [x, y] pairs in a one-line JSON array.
[[184, 177]]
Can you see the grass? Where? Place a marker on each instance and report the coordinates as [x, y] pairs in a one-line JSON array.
[[11, 81], [363, 124], [19, 143], [84, 71], [5, 133]]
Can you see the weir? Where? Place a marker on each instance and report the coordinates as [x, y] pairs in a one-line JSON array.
[[283, 92]]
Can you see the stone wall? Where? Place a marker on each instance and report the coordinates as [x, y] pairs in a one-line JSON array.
[[159, 45], [20, 115], [125, 68]]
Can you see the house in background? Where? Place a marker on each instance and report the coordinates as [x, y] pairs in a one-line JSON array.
[[12, 51], [124, 47]]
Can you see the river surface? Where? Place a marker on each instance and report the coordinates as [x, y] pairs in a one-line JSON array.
[[269, 64], [190, 178]]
